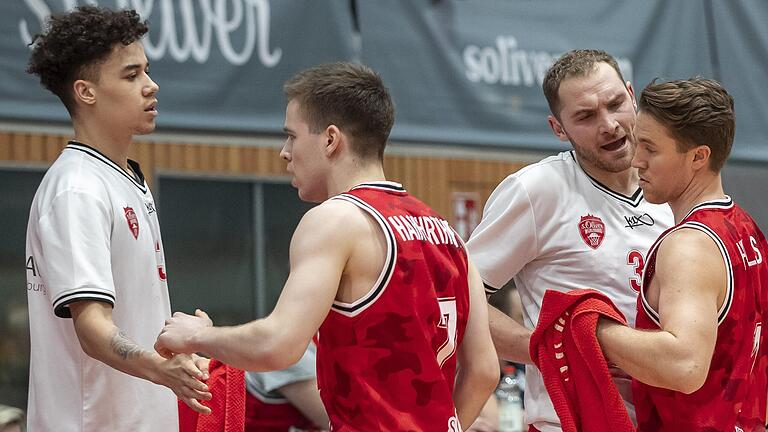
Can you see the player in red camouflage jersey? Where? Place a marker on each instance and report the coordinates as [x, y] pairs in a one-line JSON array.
[[385, 279], [698, 355]]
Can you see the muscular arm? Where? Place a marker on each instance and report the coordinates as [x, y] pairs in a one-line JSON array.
[[510, 338], [478, 365], [306, 398], [319, 250], [103, 341], [691, 278]]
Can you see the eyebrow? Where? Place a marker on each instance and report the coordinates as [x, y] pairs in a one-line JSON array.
[[287, 130], [617, 97], [132, 67]]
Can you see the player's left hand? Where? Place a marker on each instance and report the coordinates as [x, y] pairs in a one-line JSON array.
[[203, 364], [178, 334]]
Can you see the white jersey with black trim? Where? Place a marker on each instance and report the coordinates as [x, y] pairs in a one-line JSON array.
[[93, 234], [552, 226]]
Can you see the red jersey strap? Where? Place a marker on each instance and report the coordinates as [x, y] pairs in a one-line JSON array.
[[359, 305]]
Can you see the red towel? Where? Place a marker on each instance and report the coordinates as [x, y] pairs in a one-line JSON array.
[[227, 386], [564, 347]]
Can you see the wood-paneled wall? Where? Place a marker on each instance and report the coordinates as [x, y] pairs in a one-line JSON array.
[[433, 179]]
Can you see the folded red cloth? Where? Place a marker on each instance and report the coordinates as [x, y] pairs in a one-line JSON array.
[[565, 349], [227, 386]]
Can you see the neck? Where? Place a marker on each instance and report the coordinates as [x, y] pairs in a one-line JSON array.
[[706, 187], [110, 144], [347, 178], [624, 182]]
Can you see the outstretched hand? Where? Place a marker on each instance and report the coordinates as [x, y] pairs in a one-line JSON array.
[[185, 375], [177, 336]]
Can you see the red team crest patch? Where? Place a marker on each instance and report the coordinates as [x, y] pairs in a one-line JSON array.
[[133, 221], [592, 230]]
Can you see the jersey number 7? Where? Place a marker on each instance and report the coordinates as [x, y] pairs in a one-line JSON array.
[[447, 322]]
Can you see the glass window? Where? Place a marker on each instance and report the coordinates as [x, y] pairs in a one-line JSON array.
[[207, 229], [17, 188], [226, 244]]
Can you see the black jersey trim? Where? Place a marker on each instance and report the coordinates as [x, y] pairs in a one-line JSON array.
[[727, 301], [75, 145], [723, 204], [633, 200], [61, 305], [489, 289], [386, 185], [354, 308]]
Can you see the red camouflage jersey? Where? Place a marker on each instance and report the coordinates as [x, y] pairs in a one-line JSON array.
[[387, 361], [733, 398], [265, 414]]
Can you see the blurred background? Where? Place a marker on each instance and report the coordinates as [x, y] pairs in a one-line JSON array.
[[466, 79]]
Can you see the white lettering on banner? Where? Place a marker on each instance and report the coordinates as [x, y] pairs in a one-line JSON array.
[[504, 63], [219, 17]]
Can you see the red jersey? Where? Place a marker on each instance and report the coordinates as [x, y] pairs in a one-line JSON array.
[[733, 397], [267, 414], [387, 361]]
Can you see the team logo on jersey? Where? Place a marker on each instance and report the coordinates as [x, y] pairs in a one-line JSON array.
[[133, 221], [592, 230]]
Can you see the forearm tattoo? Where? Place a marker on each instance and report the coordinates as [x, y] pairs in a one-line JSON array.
[[123, 346]]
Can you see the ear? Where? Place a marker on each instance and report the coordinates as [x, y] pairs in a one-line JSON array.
[[333, 138], [557, 128], [701, 157], [631, 91], [84, 92]]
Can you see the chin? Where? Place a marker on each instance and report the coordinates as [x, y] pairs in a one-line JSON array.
[[146, 130], [651, 198]]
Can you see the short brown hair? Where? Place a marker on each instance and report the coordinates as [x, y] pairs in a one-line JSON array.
[[696, 111], [575, 63], [350, 96]]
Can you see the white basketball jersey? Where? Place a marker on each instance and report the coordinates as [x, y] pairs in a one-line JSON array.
[[93, 234], [552, 226]]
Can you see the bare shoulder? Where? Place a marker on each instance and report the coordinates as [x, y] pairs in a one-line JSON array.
[[691, 258], [687, 243], [333, 218]]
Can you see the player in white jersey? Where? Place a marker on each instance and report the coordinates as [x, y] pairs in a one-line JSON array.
[[96, 279], [574, 220]]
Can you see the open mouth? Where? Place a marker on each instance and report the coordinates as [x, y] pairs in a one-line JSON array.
[[615, 145], [151, 108]]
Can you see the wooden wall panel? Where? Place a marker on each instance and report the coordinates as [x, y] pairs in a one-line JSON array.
[[432, 179]]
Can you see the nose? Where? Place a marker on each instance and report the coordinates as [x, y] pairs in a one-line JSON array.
[[609, 125], [285, 154], [152, 87]]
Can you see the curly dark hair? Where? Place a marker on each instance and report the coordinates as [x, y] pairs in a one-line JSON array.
[[76, 41]]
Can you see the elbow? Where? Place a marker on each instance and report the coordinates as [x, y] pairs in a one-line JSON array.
[[688, 377], [491, 376], [278, 354], [86, 347], [484, 375]]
